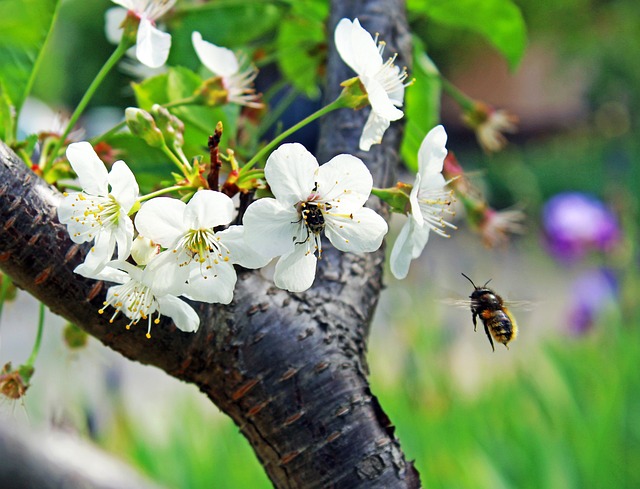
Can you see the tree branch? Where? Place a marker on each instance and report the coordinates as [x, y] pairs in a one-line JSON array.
[[289, 369]]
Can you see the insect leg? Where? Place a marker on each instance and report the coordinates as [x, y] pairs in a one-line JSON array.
[[486, 330]]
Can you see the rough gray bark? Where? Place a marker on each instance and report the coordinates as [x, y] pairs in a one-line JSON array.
[[289, 369]]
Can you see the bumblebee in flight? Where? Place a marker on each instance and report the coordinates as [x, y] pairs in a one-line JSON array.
[[498, 322]]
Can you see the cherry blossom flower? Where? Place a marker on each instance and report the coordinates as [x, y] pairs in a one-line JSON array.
[[152, 45], [490, 124], [383, 81], [310, 199], [429, 202], [222, 62], [137, 298], [497, 226], [198, 260], [97, 214]]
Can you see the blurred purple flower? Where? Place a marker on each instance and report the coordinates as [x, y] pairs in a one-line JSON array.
[[592, 292], [576, 223]]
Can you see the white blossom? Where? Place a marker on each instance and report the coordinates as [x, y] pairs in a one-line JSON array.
[[429, 202], [236, 80], [383, 81], [152, 45], [137, 298], [310, 199], [97, 213], [198, 260]]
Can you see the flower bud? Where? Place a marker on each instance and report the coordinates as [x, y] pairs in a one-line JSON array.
[[171, 127], [143, 250], [141, 123]]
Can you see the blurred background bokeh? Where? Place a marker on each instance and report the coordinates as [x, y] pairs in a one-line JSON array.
[[559, 409]]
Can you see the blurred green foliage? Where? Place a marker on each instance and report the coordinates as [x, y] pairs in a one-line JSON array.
[[562, 415]]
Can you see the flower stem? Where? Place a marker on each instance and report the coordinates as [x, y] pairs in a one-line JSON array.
[[4, 289], [109, 64], [183, 166], [336, 104], [36, 346], [108, 133], [458, 95], [162, 192]]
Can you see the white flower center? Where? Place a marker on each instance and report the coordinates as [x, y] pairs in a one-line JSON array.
[[135, 300], [239, 85], [391, 77], [434, 204], [93, 213], [204, 247], [153, 9]]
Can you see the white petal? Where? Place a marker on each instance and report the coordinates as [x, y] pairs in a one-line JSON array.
[[296, 271], [362, 233], [270, 228], [183, 315], [66, 208], [108, 274], [165, 275], [162, 220], [220, 61], [89, 167], [432, 151], [379, 99], [114, 17], [208, 209], [408, 246], [356, 47], [123, 185], [124, 236], [401, 254], [430, 183], [216, 287], [290, 171], [416, 212], [99, 254], [241, 253], [345, 181], [152, 45], [373, 131]]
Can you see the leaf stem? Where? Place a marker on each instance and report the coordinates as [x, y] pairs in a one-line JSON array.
[[36, 346], [82, 105], [336, 104]]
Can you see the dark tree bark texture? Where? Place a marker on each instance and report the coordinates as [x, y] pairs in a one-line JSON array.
[[289, 369]]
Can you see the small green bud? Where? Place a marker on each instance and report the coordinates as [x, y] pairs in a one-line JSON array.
[[141, 123], [171, 127], [396, 197], [354, 94], [212, 92], [74, 337]]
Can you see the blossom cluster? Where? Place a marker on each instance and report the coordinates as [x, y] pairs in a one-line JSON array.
[[189, 249], [160, 250]]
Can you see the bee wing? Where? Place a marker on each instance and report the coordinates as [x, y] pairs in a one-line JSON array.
[[461, 303], [520, 305]]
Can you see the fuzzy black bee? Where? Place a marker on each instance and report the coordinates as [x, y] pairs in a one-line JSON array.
[[499, 324]]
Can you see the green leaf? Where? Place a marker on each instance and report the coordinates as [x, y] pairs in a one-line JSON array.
[[199, 121], [226, 24], [24, 26], [7, 117], [302, 46], [500, 21], [422, 106]]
